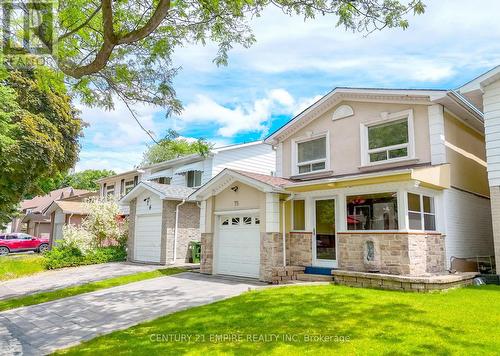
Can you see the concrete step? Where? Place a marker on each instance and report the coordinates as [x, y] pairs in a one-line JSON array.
[[308, 277]]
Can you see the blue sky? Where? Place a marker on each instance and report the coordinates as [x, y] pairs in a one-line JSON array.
[[292, 64]]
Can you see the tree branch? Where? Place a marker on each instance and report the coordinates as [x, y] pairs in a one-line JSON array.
[[78, 28]]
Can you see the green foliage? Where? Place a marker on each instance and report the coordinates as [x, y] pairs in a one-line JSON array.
[[172, 146], [71, 256], [15, 266], [129, 58], [39, 134], [86, 179]]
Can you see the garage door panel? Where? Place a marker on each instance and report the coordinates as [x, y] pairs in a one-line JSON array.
[[238, 251], [147, 241]]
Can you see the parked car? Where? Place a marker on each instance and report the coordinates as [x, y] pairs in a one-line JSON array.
[[20, 242]]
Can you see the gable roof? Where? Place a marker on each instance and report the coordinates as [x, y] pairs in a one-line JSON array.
[[164, 191], [41, 202], [334, 97], [67, 207], [228, 176]]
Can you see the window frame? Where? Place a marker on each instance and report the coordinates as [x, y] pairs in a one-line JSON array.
[[110, 192], [387, 119], [421, 212], [400, 224], [129, 185], [194, 179], [295, 153]]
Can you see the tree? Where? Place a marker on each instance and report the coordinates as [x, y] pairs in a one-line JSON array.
[[39, 131], [124, 48], [172, 146], [86, 179]]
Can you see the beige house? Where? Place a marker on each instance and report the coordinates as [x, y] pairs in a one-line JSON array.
[[393, 181], [119, 185]]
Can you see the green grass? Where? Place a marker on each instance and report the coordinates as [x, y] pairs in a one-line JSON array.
[[84, 288], [15, 266], [462, 322]]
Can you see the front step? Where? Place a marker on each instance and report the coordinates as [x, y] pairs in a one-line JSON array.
[[309, 277], [318, 270]]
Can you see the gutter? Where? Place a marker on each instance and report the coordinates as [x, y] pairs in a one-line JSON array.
[[284, 226], [460, 100]]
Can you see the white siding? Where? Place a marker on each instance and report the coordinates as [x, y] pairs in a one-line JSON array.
[[154, 206], [279, 158], [491, 100], [259, 158], [468, 225], [436, 134]]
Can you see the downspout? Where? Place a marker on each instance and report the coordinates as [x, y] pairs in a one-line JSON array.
[[284, 226], [176, 228]]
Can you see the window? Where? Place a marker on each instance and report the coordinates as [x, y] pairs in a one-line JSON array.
[[193, 179], [235, 221], [257, 221], [247, 220], [164, 180], [390, 140], [110, 190], [421, 212], [129, 185], [122, 187], [372, 212], [225, 222], [311, 155], [299, 220]]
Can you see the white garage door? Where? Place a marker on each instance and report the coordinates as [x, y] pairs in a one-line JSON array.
[[147, 241], [238, 246]]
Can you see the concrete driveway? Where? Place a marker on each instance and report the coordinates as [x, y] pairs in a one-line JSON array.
[[67, 277], [44, 328]]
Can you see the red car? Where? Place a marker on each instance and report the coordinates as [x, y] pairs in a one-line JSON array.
[[20, 242]]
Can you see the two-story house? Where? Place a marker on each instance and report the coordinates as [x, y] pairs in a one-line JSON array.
[[384, 180], [163, 219]]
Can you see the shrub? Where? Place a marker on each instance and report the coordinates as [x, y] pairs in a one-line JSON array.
[[102, 222], [63, 256], [70, 256], [78, 237]]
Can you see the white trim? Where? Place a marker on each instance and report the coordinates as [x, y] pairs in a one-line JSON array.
[[292, 225], [342, 112], [314, 136], [323, 262], [237, 212], [386, 119], [166, 173]]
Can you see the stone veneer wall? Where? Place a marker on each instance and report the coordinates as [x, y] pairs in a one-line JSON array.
[[399, 253], [271, 254], [207, 253], [299, 248], [131, 230], [188, 230]]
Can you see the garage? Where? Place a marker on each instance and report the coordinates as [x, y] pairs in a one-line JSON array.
[[148, 246], [238, 241]]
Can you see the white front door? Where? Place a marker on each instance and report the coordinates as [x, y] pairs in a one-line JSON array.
[[147, 239], [324, 239], [238, 246]]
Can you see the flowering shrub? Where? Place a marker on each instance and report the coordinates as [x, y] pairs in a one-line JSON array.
[[102, 222], [77, 237]]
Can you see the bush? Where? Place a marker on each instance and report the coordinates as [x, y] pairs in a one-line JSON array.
[[70, 256], [78, 237]]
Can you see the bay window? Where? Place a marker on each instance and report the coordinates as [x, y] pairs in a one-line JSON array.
[[312, 155], [372, 211], [421, 212]]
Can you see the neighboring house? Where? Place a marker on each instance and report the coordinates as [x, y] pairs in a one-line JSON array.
[[33, 220], [383, 180], [484, 93], [162, 219], [119, 185], [66, 211]]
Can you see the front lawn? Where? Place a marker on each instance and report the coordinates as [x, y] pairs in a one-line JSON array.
[[324, 319], [15, 266], [85, 288]]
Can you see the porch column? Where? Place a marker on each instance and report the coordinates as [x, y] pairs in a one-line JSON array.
[[491, 104]]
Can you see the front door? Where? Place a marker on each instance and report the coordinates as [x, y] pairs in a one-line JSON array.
[[325, 246]]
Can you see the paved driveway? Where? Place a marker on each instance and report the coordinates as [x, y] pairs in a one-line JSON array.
[[67, 277], [44, 328]]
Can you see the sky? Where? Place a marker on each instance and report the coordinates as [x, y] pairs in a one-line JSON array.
[[292, 64]]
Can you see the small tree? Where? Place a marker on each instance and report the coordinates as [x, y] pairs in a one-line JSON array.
[[77, 237], [102, 222]]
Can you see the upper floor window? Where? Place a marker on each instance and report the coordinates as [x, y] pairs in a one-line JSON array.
[[129, 185], [311, 155], [390, 140], [163, 180], [110, 190], [193, 179], [421, 212]]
